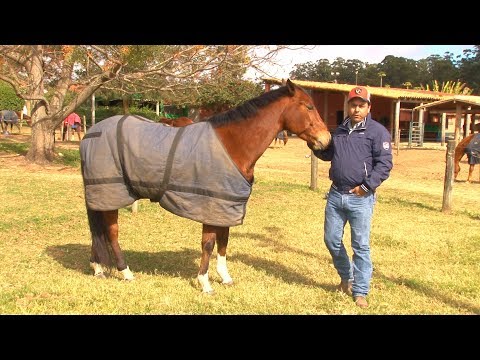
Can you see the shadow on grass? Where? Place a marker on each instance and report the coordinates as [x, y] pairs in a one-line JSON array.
[[417, 286], [408, 204], [277, 246], [173, 263], [279, 271]]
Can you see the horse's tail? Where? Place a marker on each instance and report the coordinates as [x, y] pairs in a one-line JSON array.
[[101, 253]]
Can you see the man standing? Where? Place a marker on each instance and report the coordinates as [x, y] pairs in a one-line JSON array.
[[361, 159]]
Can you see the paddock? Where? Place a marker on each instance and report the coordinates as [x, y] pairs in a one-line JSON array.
[[425, 262]]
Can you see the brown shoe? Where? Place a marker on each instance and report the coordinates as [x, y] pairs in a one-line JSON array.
[[360, 301], [345, 286]]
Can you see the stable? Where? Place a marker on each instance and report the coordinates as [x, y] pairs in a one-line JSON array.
[[404, 112]]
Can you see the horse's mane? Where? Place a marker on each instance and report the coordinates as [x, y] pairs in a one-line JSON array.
[[248, 108]]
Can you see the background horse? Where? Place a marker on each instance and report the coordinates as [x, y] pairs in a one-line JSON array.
[[9, 117], [465, 147], [126, 158], [13, 118], [177, 122], [281, 136]]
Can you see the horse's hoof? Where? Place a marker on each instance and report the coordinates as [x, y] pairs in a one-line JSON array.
[[230, 283], [100, 276]]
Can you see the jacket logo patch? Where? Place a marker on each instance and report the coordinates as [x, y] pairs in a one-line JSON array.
[[386, 145]]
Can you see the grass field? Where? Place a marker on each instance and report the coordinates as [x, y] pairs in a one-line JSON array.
[[425, 261]]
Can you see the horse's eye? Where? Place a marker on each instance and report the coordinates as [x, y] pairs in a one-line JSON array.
[[309, 107]]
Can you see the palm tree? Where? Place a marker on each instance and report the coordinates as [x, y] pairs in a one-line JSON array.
[[381, 74]]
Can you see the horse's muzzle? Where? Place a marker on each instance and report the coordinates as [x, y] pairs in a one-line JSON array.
[[322, 142]]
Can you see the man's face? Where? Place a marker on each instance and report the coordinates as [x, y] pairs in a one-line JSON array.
[[358, 109]]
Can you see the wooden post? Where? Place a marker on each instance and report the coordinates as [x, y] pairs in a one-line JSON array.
[[421, 124], [135, 207], [444, 124], [448, 182], [313, 171], [458, 122], [397, 125]]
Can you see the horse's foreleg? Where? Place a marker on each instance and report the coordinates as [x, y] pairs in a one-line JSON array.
[[222, 242], [470, 172], [209, 236], [111, 220]]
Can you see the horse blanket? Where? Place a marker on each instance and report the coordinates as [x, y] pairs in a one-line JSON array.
[[9, 116], [186, 169], [473, 150]]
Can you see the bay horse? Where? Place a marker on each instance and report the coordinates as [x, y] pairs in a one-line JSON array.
[[464, 147], [177, 122], [123, 158], [13, 118], [281, 136]]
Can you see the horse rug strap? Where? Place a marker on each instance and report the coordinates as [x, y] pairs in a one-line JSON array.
[[186, 169], [473, 150]]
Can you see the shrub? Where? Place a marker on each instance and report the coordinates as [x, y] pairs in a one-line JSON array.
[[8, 99]]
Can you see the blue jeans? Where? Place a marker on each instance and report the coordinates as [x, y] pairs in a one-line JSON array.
[[357, 210]]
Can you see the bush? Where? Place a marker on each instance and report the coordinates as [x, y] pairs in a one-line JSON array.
[[8, 99], [103, 112]]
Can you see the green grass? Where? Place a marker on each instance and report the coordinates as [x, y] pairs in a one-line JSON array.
[[425, 261]]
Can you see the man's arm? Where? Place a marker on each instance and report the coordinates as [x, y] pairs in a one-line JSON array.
[[382, 161]]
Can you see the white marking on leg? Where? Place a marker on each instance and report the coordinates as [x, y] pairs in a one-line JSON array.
[[222, 269], [203, 280], [127, 274], [97, 268]]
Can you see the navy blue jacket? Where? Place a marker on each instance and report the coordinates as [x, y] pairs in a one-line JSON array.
[[363, 157]]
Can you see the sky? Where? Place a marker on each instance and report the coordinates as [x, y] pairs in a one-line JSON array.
[[373, 54]]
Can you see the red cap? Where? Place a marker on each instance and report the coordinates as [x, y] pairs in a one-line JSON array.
[[359, 92]]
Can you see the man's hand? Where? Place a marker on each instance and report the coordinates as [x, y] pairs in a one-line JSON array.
[[358, 190]]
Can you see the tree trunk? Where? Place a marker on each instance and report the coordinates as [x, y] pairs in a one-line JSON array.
[[126, 105], [42, 143]]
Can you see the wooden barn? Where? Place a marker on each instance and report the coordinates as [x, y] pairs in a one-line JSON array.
[[410, 115]]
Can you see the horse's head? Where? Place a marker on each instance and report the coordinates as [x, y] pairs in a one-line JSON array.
[[456, 170], [302, 118]]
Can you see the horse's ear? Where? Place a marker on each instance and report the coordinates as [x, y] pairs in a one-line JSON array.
[[291, 87]]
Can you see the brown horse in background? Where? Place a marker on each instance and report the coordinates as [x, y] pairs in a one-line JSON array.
[[460, 151], [178, 122], [17, 122], [281, 136]]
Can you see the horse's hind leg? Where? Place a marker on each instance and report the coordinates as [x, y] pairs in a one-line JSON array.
[[222, 242], [111, 221], [209, 237]]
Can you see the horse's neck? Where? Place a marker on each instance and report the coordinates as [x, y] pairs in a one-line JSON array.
[[460, 149], [247, 140]]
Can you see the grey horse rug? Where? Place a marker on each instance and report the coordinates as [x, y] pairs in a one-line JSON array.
[[473, 150], [186, 169]]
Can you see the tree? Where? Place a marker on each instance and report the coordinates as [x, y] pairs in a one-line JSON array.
[[58, 79], [469, 67], [449, 87]]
